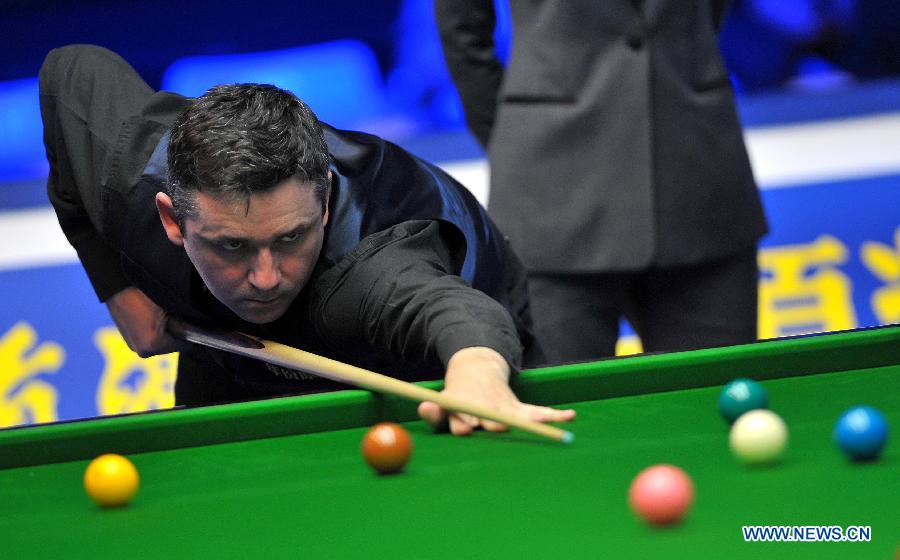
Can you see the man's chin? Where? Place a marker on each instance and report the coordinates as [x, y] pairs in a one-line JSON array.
[[260, 315]]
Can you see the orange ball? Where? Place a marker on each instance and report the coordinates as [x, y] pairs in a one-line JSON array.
[[387, 447], [111, 480], [661, 494]]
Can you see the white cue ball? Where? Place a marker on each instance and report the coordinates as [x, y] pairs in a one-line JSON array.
[[758, 437]]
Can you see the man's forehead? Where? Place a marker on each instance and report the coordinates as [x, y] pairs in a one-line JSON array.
[[287, 205]]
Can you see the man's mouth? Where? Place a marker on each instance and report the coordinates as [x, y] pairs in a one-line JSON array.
[[264, 301]]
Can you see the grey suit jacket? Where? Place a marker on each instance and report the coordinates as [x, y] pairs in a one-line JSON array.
[[613, 138]]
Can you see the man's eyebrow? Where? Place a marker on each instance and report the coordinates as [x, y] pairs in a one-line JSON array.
[[301, 227], [221, 237]]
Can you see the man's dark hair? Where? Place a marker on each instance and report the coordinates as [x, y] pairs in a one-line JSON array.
[[236, 140]]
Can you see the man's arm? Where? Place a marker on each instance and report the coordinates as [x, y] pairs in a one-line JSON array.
[[99, 259], [142, 323], [719, 11], [85, 94], [398, 294], [466, 28]]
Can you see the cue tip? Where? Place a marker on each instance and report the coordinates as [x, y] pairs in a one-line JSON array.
[[568, 437]]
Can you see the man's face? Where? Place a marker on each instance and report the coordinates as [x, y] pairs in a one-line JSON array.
[[255, 256]]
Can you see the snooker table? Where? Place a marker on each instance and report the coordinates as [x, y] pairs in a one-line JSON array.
[[284, 477]]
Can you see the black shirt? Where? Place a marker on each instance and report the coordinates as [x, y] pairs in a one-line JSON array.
[[411, 270]]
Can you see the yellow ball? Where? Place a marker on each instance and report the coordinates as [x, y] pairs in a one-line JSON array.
[[111, 480]]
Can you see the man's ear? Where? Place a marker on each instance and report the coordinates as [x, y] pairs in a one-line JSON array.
[[327, 201], [168, 219]]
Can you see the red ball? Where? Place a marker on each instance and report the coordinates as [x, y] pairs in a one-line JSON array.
[[387, 447], [661, 494]]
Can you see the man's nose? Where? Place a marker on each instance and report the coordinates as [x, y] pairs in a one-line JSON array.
[[264, 272]]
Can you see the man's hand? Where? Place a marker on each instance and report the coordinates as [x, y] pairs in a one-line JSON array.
[[481, 375], [142, 324]]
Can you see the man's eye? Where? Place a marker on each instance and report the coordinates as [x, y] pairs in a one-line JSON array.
[[291, 237], [232, 245]]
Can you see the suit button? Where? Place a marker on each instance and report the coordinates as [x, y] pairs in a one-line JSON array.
[[635, 41]]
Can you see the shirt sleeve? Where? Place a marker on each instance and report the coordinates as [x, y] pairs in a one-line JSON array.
[[78, 219], [398, 294], [466, 29], [100, 260]]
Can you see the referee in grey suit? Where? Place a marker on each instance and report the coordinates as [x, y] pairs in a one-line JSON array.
[[618, 168]]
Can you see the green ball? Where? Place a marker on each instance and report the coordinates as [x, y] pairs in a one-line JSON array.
[[740, 396]]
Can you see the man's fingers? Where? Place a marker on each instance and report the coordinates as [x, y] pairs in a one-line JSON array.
[[547, 414], [535, 413], [492, 426], [458, 424], [462, 424], [432, 413]]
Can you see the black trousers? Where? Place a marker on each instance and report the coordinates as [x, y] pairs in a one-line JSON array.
[[576, 316]]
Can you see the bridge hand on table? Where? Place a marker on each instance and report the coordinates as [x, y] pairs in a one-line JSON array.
[[481, 375]]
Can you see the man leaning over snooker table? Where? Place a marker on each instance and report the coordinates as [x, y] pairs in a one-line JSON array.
[[239, 209]]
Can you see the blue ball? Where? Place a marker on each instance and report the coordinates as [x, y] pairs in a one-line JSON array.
[[861, 433], [739, 396]]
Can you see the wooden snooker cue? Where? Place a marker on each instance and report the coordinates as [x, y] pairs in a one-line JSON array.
[[289, 357]]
